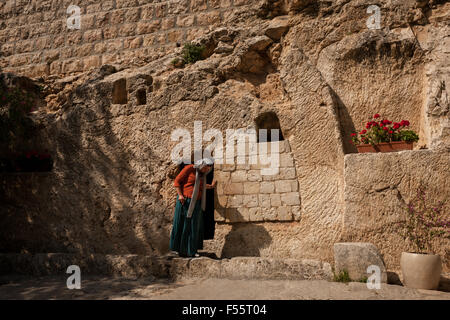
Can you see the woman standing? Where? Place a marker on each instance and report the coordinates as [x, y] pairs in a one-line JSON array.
[[187, 231]]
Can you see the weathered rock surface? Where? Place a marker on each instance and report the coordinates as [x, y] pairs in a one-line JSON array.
[[277, 28], [376, 200], [316, 65], [356, 258], [138, 266]]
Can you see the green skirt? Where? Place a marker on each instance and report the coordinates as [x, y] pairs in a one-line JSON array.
[[187, 233]]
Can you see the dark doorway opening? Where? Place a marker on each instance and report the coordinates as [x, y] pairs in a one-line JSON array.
[[120, 95], [268, 120], [141, 97]]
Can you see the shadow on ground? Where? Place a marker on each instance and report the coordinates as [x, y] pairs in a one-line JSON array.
[[93, 287]]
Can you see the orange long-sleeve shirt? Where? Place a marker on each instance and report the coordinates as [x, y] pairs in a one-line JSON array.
[[186, 180]]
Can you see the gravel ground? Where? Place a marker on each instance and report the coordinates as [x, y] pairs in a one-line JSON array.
[[51, 287]]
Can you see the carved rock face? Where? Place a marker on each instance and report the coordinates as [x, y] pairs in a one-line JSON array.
[[318, 68]]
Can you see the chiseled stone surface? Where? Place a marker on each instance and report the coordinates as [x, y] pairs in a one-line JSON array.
[[137, 266], [376, 199], [111, 189], [267, 268], [356, 258]]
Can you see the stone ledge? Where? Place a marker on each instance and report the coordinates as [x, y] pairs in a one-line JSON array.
[[395, 154], [138, 266]]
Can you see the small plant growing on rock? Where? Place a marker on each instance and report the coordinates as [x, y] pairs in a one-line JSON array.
[[192, 53], [379, 131], [424, 222], [363, 280], [343, 276]]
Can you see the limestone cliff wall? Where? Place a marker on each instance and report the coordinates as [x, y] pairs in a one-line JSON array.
[[315, 64]]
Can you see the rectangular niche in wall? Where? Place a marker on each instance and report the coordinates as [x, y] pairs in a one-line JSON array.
[[141, 97], [120, 95]]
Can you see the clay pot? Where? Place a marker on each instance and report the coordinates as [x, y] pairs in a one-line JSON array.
[[421, 271], [366, 148], [385, 147], [394, 146]]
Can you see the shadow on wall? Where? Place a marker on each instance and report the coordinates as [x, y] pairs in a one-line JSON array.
[[347, 126], [245, 240], [94, 201]]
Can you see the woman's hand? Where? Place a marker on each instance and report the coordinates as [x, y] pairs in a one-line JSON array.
[[182, 199], [211, 186]]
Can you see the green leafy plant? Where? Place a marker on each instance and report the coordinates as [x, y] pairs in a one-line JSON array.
[[363, 280], [192, 53], [408, 135], [384, 131], [343, 276], [424, 221]]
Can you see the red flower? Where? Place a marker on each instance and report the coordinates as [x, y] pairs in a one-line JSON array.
[[376, 116], [353, 134], [385, 129], [391, 132], [397, 125], [363, 132], [404, 123]]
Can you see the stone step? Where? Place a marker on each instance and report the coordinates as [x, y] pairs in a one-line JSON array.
[[139, 266]]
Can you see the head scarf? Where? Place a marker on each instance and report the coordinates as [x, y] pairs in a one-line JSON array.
[[199, 165]]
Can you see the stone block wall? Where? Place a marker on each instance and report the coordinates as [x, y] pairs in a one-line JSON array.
[[245, 194], [378, 188], [35, 39]]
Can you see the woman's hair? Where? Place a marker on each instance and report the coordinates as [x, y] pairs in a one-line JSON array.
[[208, 161], [205, 162]]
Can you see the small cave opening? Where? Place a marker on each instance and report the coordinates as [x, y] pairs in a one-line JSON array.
[[268, 121], [120, 94], [141, 97]]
